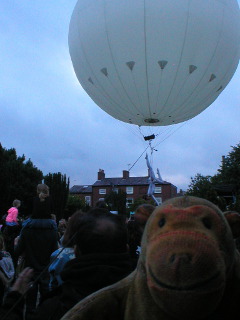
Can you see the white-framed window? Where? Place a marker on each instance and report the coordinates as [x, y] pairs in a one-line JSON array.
[[102, 191], [129, 201], [129, 190], [159, 199], [88, 199], [101, 199], [158, 190]]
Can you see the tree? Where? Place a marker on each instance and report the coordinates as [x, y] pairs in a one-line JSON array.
[[223, 188], [228, 178], [59, 190], [229, 171], [139, 202], [18, 180], [202, 187], [117, 201], [75, 203]]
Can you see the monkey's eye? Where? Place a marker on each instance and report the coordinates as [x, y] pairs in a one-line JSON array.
[[162, 222], [207, 223]]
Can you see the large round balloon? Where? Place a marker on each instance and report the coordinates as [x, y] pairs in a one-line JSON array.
[[154, 62]]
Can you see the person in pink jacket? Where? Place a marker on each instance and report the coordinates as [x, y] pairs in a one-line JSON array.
[[11, 219], [12, 229]]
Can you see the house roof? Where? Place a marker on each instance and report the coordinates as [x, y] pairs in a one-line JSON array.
[[80, 189], [131, 181]]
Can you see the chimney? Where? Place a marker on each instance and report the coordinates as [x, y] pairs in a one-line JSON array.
[[101, 174], [125, 174], [223, 160]]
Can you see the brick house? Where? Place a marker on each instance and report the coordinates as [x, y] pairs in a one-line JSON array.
[[83, 192], [135, 188]]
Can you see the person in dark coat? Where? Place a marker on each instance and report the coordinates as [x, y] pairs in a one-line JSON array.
[[101, 260], [37, 241], [233, 219], [12, 308], [136, 227]]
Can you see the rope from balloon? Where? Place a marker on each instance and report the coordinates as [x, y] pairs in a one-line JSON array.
[[152, 178]]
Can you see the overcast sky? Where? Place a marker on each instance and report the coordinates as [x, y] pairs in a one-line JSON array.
[[47, 116]]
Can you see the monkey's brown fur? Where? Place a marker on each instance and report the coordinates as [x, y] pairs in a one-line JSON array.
[[188, 269]]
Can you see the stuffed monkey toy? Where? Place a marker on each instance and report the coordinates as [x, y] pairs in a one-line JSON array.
[[188, 269]]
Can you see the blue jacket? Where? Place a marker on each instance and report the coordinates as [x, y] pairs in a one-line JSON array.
[[59, 258]]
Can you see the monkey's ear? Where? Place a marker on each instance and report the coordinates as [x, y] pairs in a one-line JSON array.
[[233, 219]]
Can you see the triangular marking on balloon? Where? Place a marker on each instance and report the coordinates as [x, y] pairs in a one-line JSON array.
[[220, 88], [130, 64], [162, 63], [212, 77], [192, 68], [90, 80], [104, 71]]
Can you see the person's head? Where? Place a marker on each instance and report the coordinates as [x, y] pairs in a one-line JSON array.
[[53, 217], [101, 204], [142, 213], [42, 191], [71, 228], [98, 211], [233, 219], [101, 234], [16, 203]]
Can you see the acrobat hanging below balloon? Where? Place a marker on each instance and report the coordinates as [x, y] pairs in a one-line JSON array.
[[153, 181], [154, 62]]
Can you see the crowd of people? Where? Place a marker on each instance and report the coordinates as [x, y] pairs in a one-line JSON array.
[[46, 267]]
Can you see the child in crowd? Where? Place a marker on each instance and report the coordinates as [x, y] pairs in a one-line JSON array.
[[12, 228], [37, 241], [11, 219]]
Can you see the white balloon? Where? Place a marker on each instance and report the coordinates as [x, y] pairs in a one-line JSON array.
[[154, 62]]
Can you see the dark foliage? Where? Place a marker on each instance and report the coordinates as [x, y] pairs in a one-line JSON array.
[[223, 189], [117, 201], [18, 180], [59, 190]]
